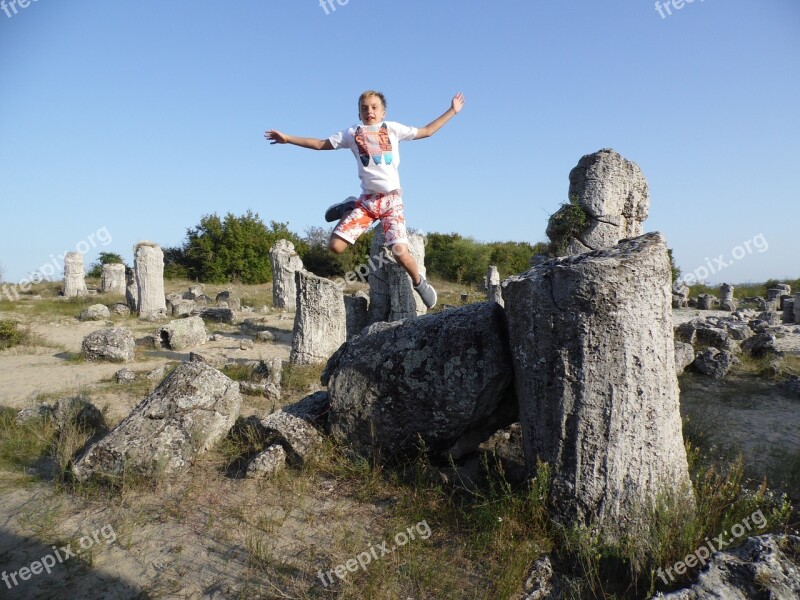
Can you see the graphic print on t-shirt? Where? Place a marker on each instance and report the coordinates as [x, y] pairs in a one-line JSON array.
[[373, 142]]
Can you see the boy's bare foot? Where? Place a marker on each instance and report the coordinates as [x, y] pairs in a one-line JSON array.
[[339, 210]]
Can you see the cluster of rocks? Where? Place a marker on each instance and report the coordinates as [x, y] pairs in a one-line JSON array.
[[779, 299]]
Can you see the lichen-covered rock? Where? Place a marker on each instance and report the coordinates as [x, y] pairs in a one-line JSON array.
[[183, 333], [268, 462], [217, 315], [124, 376], [594, 361], [714, 363], [39, 412], [96, 312], [184, 416], [444, 380], [760, 345], [120, 309], [684, 356], [763, 567], [115, 344]]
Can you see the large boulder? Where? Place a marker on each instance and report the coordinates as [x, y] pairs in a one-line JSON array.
[[183, 333], [184, 416], [763, 567], [443, 380], [115, 344], [594, 358], [714, 363], [95, 312]]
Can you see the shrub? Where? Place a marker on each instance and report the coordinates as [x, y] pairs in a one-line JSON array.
[[10, 335]]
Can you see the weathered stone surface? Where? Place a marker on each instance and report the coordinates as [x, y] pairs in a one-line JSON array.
[[788, 310], [124, 376], [285, 262], [706, 302], [320, 320], [132, 291], [115, 344], [680, 294], [684, 356], [714, 363], [717, 337], [120, 309], [74, 275], [613, 192], [149, 268], [726, 301], [761, 344], [594, 357], [96, 312], [445, 379], [186, 414], [264, 336], [493, 291], [267, 463], [39, 412], [113, 279], [183, 333], [797, 307], [182, 308], [763, 567], [213, 360], [391, 295], [356, 307], [75, 411], [218, 315]]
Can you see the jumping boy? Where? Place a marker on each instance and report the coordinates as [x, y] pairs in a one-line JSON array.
[[375, 145]]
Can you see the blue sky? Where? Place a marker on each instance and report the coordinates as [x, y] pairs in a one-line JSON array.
[[123, 121]]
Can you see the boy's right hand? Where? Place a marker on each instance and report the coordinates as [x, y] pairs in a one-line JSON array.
[[276, 137]]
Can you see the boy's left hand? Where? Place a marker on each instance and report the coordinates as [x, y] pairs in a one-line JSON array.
[[458, 102]]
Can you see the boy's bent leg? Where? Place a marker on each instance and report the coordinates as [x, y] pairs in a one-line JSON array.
[[336, 244]]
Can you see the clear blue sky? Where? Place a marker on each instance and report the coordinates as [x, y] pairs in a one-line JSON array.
[[141, 117]]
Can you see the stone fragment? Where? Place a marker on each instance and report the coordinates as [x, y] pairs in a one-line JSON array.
[[684, 356], [267, 463], [124, 376], [186, 414], [115, 344], [726, 301], [217, 315], [96, 312], [213, 360], [120, 309], [706, 302], [761, 344], [714, 363], [75, 411], [183, 333], [39, 412]]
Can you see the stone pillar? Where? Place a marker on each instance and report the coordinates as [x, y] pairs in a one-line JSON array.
[[74, 282], [357, 309], [797, 307], [706, 302], [285, 262], [680, 294], [113, 281], [594, 360], [726, 300], [131, 290], [493, 291], [788, 310], [149, 267], [391, 294], [319, 320]]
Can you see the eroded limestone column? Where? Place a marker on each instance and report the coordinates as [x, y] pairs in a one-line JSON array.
[[319, 320], [726, 301], [285, 263], [74, 275], [149, 267], [594, 360], [113, 280], [391, 294], [493, 291]]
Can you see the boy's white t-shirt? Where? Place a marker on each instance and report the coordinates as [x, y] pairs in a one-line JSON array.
[[377, 151]]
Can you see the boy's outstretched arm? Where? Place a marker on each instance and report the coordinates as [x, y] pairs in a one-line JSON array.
[[277, 137], [455, 107]]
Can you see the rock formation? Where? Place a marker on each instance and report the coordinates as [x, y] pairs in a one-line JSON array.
[[185, 415], [443, 380], [113, 279], [594, 358], [493, 291], [74, 275], [149, 268], [391, 295], [115, 344], [319, 321], [285, 262], [613, 194]]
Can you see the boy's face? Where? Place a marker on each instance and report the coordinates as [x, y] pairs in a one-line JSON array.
[[371, 111]]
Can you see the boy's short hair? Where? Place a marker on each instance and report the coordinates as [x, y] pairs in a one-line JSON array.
[[371, 93]]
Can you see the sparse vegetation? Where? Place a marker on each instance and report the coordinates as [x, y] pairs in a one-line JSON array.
[[569, 221]]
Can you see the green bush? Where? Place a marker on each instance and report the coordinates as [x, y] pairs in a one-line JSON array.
[[10, 335]]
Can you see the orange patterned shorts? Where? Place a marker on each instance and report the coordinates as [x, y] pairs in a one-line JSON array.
[[387, 207]]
